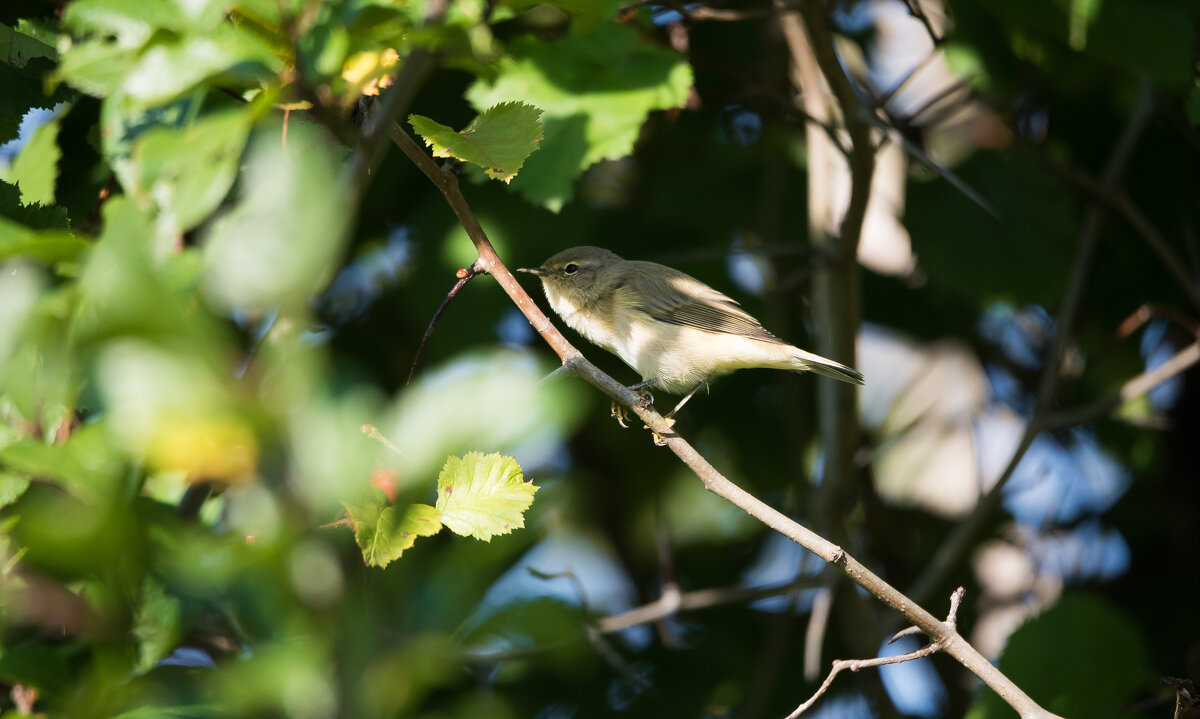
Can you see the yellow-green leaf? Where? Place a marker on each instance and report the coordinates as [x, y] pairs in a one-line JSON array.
[[483, 495], [383, 533], [498, 140]]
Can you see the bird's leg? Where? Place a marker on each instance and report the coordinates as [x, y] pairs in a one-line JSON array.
[[671, 415], [640, 390]]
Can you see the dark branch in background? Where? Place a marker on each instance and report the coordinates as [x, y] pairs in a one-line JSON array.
[[671, 603], [1137, 221], [829, 96], [464, 276], [855, 665], [714, 481], [396, 101], [957, 543]]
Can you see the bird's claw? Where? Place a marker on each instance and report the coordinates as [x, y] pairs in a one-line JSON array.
[[645, 399], [658, 438], [620, 414]]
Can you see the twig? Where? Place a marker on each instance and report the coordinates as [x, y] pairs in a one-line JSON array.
[[883, 99], [373, 432], [713, 480], [1181, 361], [464, 276], [670, 604], [855, 665], [956, 544]]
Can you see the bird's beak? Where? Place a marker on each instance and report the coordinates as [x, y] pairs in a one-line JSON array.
[[539, 271]]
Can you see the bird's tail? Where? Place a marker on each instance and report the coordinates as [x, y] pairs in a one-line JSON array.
[[816, 363]]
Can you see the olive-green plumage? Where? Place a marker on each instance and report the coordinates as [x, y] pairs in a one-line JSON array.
[[672, 328]]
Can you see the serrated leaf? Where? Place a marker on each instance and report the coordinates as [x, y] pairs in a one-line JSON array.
[[35, 170], [595, 89], [382, 537], [498, 140], [483, 495]]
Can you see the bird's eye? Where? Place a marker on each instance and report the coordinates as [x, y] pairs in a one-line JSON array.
[[571, 269]]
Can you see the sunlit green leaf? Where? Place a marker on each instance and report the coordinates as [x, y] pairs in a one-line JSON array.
[[483, 495], [595, 90], [383, 531], [36, 169], [498, 140]]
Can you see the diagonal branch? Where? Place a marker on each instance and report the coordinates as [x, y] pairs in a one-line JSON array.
[[953, 643]]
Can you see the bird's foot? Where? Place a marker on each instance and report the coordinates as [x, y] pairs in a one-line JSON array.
[[620, 414], [658, 438]]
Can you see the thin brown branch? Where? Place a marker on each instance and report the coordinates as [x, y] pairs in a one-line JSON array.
[[1181, 361], [464, 276], [713, 480], [855, 665], [672, 603], [960, 539]]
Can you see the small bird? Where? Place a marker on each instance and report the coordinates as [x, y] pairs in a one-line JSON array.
[[676, 331]]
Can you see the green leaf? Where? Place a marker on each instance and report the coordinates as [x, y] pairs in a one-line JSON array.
[[595, 89], [133, 22], [168, 67], [382, 537], [36, 169], [11, 488], [279, 245], [34, 217], [22, 89], [1042, 657], [186, 172], [483, 495], [20, 48], [87, 465], [498, 140], [49, 246], [156, 627]]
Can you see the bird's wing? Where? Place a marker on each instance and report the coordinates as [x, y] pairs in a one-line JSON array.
[[680, 299]]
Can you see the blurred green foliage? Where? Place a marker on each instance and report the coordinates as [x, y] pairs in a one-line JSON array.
[[198, 317]]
